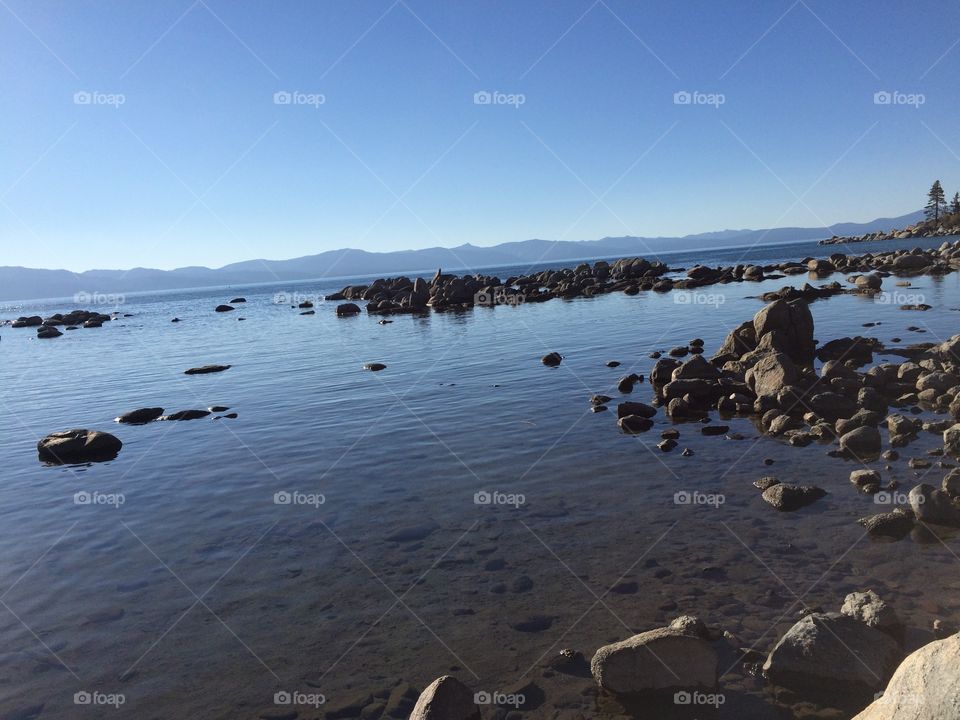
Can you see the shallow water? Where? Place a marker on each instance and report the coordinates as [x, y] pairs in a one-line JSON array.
[[200, 596]]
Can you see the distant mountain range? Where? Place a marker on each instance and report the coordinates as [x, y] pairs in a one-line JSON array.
[[19, 283]]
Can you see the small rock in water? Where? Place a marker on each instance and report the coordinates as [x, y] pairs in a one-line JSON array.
[[224, 308], [186, 415], [205, 369], [140, 417], [218, 408], [374, 366], [238, 300], [552, 359], [228, 416], [714, 429], [787, 498]]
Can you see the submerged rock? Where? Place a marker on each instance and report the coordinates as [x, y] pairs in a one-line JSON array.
[[186, 415], [552, 359], [224, 308], [895, 524], [374, 366], [76, 446]]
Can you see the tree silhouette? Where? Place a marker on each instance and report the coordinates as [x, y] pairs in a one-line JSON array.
[[955, 204], [936, 202]]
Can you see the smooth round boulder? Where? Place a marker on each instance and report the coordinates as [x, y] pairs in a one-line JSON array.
[[223, 308], [77, 446], [348, 309], [863, 442]]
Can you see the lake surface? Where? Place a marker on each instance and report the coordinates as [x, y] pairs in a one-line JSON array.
[[200, 595]]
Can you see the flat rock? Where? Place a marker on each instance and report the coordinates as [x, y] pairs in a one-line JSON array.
[[186, 415], [205, 369]]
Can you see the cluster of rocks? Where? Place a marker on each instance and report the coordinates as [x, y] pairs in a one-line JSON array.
[[633, 275], [48, 328], [851, 653], [922, 230]]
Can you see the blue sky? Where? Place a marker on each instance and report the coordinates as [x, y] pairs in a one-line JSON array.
[[151, 134]]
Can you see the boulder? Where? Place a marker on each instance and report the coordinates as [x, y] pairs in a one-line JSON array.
[[867, 607], [141, 416], [793, 322], [635, 408], [634, 424], [926, 686], [951, 483], [951, 440], [696, 368], [446, 698], [896, 524], [934, 506], [787, 498], [830, 651], [864, 442], [47, 332], [772, 372], [670, 657], [348, 309], [832, 406], [223, 308], [77, 446]]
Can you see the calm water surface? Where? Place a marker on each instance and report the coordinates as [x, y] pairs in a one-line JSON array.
[[200, 596]]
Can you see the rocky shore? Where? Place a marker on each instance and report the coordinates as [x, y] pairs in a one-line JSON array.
[[920, 230], [797, 391]]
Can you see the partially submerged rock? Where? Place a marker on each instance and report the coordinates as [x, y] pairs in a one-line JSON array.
[[787, 498], [205, 369], [77, 446], [670, 657], [141, 416], [829, 651]]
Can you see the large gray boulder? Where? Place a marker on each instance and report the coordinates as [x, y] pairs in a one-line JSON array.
[[664, 658], [926, 686], [772, 372], [793, 323], [951, 440], [830, 651], [446, 698], [934, 506], [864, 442]]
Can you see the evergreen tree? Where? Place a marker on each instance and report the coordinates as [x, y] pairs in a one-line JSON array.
[[936, 202], [955, 205]]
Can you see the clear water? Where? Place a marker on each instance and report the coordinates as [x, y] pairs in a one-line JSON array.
[[199, 596]]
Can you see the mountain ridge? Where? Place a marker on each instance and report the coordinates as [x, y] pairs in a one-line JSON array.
[[21, 283]]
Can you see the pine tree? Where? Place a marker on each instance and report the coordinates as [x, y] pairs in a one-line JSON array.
[[936, 202], [955, 205]]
